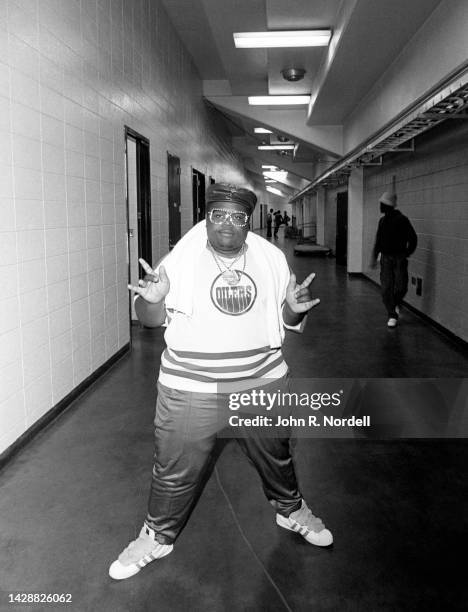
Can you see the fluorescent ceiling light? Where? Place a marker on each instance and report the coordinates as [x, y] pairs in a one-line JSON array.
[[285, 38], [275, 147], [262, 131], [278, 100], [269, 167], [280, 175], [267, 180], [274, 190]]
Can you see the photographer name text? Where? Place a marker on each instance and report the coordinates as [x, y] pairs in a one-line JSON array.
[[312, 420]]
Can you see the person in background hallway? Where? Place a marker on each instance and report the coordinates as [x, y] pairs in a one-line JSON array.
[[396, 240], [278, 222], [226, 296], [269, 222], [286, 218]]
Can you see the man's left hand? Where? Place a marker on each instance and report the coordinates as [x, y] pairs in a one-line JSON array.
[[298, 297]]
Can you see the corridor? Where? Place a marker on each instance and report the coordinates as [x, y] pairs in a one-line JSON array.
[[77, 493], [341, 126]]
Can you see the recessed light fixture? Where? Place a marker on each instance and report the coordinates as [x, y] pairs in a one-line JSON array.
[[278, 100], [275, 147], [285, 38], [274, 190], [262, 131]]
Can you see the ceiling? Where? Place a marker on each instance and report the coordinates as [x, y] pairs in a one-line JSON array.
[[367, 36]]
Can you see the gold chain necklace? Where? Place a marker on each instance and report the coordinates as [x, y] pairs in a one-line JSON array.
[[232, 277]]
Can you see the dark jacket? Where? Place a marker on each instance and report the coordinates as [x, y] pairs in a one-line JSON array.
[[278, 219], [395, 235]]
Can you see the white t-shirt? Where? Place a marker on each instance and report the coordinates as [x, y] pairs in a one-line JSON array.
[[226, 337]]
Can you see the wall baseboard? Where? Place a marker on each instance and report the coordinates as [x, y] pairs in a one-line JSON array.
[[463, 344], [59, 408]]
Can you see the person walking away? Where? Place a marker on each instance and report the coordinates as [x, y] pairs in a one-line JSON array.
[[395, 241], [269, 222], [278, 222]]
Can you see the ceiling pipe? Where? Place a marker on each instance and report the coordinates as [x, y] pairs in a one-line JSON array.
[[441, 103]]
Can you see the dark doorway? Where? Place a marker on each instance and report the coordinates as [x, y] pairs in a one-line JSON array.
[[198, 195], [137, 156], [173, 179], [341, 247]]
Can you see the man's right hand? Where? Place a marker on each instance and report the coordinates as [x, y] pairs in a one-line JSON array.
[[155, 287]]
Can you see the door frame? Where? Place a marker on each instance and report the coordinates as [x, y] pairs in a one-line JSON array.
[[144, 229], [198, 212], [341, 232], [171, 204]]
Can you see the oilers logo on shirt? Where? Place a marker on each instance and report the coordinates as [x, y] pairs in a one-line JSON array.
[[234, 299]]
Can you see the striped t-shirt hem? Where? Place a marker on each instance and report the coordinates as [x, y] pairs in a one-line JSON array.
[[204, 372]]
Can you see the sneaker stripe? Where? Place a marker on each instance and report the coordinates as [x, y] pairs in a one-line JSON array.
[[302, 529]]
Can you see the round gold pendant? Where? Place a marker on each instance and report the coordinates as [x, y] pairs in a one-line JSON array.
[[231, 277]]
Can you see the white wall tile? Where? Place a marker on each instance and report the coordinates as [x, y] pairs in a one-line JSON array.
[[54, 186], [36, 363], [7, 218], [53, 131], [38, 397], [11, 380], [80, 311], [79, 287], [62, 379], [55, 214], [35, 334], [78, 262], [9, 314], [21, 55], [31, 245], [25, 89], [12, 419], [81, 363], [26, 152], [28, 184], [60, 348], [33, 304], [29, 214], [10, 347], [53, 159], [5, 117], [51, 103], [58, 295], [56, 241]]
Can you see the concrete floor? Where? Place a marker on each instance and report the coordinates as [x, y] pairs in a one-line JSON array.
[[77, 494]]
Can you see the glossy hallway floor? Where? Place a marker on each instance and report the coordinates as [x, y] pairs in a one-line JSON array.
[[75, 496]]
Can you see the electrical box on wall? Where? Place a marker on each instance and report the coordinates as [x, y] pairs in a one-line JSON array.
[[419, 286]]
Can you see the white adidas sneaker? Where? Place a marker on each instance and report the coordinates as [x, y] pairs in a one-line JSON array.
[[310, 527], [139, 553]]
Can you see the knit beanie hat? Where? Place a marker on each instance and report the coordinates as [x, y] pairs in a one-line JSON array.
[[389, 199]]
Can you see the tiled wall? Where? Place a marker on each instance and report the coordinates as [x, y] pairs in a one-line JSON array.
[[432, 189], [72, 75]]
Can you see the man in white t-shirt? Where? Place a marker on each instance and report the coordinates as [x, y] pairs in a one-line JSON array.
[[225, 295]]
